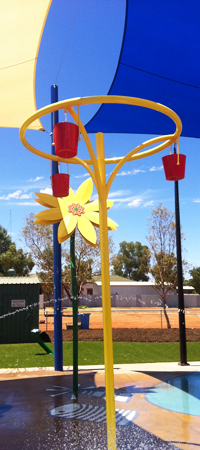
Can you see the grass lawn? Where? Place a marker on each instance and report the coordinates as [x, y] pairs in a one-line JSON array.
[[32, 355]]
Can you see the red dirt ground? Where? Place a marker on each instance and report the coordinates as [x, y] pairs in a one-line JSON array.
[[131, 326]]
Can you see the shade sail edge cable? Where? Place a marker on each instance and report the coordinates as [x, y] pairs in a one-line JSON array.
[[18, 64], [159, 76], [66, 42]]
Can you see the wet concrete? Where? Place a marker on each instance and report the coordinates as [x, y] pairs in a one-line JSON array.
[[39, 413]]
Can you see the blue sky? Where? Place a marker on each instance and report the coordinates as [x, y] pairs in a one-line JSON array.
[[88, 66]]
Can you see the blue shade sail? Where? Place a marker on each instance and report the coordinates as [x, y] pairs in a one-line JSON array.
[[159, 61]]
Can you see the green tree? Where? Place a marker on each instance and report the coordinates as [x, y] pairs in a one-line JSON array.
[[132, 261], [162, 243], [195, 280], [5, 240], [5, 243], [39, 240], [16, 259]]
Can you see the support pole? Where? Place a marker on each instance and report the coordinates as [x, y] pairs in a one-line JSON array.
[[75, 314], [106, 300], [181, 308], [57, 274]]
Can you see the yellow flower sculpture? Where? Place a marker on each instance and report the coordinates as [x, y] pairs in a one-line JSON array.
[[73, 211]]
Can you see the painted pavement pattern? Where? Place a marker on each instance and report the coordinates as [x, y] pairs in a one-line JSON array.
[[92, 413], [40, 413]]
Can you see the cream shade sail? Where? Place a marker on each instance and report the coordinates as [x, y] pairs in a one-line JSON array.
[[21, 27]]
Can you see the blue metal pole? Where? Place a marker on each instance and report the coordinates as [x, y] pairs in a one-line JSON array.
[[57, 273]]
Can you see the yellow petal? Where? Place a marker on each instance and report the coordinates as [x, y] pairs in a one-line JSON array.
[[62, 232], [84, 191], [92, 206], [109, 203], [111, 224], [52, 215], [65, 201], [93, 217], [70, 222], [46, 200], [60, 240], [63, 205], [71, 197], [66, 227], [87, 230], [45, 222]]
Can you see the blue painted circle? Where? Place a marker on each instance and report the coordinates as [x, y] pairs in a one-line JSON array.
[[182, 395]]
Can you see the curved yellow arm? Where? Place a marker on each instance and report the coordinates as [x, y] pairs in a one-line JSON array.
[[133, 154], [68, 104]]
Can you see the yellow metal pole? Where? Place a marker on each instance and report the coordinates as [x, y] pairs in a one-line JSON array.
[[106, 300]]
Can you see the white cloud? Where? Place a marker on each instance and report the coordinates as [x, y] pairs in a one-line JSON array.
[[25, 196], [150, 203], [46, 191], [26, 203], [35, 179], [130, 172], [124, 173], [154, 169], [135, 203], [138, 170], [82, 176], [119, 201], [120, 198], [16, 195], [114, 194], [196, 201], [117, 193]]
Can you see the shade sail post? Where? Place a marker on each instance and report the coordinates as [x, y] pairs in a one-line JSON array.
[[181, 307], [57, 274]]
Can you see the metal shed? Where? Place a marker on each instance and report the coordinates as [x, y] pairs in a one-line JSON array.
[[19, 308]]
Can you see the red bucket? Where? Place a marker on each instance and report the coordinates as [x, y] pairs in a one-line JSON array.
[[60, 184], [66, 139], [174, 172]]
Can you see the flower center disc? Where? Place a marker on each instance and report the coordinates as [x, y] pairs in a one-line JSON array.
[[76, 209]]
